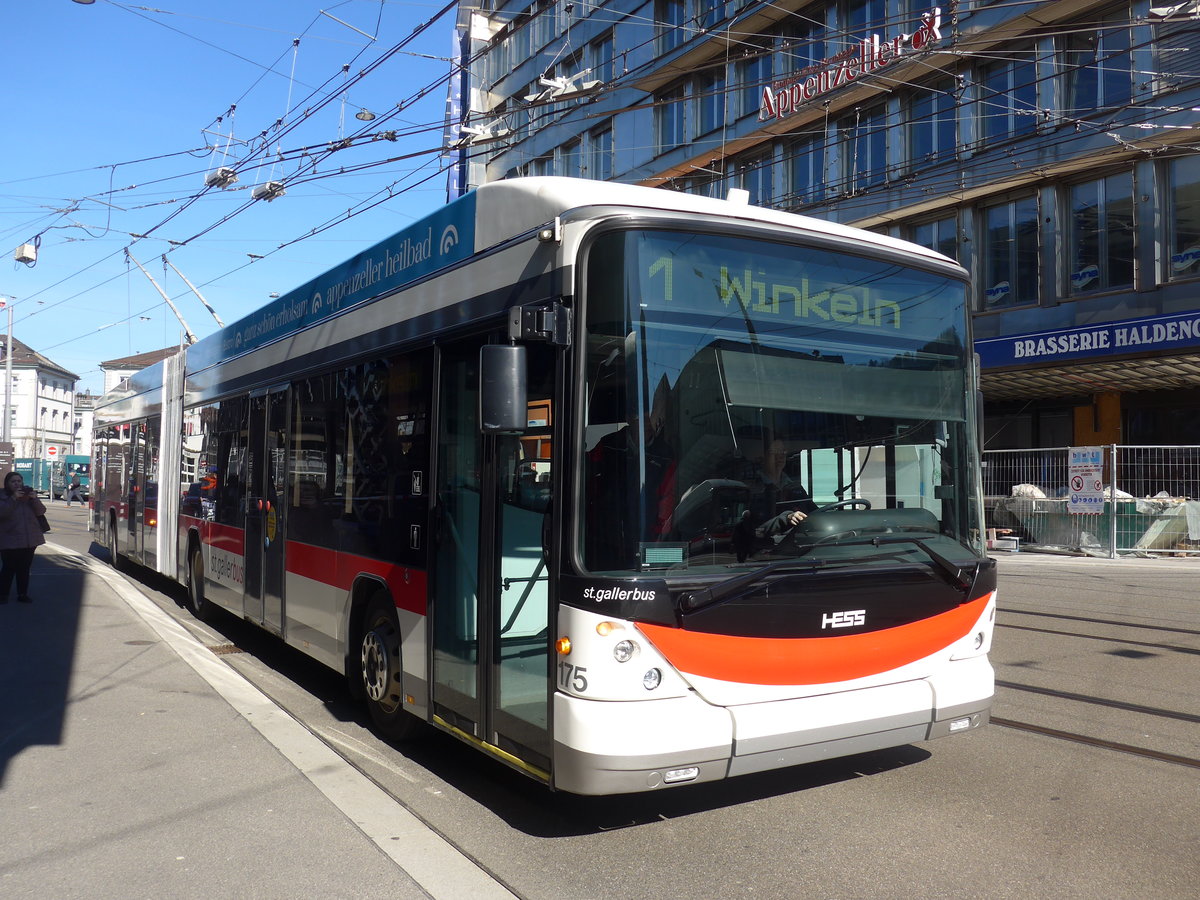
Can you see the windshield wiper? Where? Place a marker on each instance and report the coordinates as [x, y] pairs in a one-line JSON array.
[[952, 574], [691, 601]]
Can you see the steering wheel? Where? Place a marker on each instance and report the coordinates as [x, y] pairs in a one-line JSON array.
[[845, 504], [790, 543]]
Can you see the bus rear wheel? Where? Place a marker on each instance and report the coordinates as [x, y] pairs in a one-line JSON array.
[[198, 603], [381, 673], [113, 557]]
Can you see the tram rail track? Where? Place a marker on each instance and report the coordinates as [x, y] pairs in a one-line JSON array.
[[1107, 702], [1101, 701], [1116, 746], [1174, 648], [1094, 621]]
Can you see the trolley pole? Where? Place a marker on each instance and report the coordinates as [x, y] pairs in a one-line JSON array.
[[191, 338], [207, 305]]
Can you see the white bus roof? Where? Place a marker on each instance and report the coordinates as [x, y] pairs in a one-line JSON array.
[[485, 218], [511, 207]]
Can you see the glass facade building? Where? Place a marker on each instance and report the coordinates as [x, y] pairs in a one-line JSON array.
[[1048, 146]]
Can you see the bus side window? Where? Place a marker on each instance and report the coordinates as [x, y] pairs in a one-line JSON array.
[[360, 450], [317, 462]]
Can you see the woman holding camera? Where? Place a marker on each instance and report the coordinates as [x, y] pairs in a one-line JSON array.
[[20, 535]]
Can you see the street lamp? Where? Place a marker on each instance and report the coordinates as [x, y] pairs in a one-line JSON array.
[[7, 301]]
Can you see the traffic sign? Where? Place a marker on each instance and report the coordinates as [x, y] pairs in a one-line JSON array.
[[1085, 480]]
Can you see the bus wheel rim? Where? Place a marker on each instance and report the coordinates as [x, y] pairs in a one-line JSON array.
[[376, 670]]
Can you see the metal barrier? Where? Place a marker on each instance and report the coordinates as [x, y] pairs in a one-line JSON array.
[[1148, 501]]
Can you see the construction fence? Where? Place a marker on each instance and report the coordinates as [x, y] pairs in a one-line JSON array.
[[1150, 507]]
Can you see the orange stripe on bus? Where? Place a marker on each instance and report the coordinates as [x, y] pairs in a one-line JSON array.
[[753, 660]]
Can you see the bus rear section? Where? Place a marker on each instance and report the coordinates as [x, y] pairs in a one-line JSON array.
[[777, 554]]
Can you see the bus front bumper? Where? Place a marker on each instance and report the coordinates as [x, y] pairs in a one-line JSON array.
[[615, 747]]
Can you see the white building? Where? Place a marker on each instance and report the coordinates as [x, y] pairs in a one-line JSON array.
[[41, 413], [117, 370], [85, 402]]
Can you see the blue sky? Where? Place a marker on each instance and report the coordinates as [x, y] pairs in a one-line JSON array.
[[115, 112]]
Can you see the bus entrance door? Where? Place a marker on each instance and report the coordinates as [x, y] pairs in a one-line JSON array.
[[265, 472], [489, 604], [141, 505]]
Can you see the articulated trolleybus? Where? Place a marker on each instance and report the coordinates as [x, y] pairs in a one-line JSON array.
[[626, 488]]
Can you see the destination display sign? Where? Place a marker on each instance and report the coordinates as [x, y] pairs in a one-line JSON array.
[[782, 286]]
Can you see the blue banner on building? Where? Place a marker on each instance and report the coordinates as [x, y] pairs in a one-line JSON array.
[[1153, 333]]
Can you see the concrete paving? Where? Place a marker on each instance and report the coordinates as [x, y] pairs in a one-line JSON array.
[[135, 763]]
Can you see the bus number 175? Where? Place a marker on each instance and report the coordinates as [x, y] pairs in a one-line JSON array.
[[572, 677]]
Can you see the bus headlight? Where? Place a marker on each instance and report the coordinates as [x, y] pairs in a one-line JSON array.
[[623, 651], [652, 679]]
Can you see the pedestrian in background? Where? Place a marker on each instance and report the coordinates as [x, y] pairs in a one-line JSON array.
[[73, 491], [20, 535]]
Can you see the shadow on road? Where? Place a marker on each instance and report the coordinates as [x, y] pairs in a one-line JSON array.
[[535, 810], [37, 656]]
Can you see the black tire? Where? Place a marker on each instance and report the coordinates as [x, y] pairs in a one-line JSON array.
[[380, 676], [198, 603], [113, 557]]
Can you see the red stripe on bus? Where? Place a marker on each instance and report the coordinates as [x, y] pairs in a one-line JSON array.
[[408, 586], [751, 660], [339, 570], [221, 537]]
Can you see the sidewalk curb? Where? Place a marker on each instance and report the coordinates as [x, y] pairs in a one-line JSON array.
[[431, 861]]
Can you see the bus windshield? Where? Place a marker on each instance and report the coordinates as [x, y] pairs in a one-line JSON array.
[[746, 402]]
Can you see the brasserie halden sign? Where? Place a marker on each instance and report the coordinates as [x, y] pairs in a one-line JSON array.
[[789, 95]]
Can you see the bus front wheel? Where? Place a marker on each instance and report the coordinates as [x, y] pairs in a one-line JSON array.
[[381, 674]]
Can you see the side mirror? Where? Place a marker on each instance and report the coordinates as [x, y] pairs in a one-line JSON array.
[[503, 392]]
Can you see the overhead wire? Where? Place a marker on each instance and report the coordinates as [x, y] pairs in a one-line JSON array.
[[308, 173], [188, 201], [381, 12], [418, 30]]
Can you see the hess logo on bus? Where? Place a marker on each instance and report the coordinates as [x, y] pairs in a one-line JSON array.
[[846, 619]]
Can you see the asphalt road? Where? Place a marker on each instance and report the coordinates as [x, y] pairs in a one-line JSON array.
[[1089, 789]]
